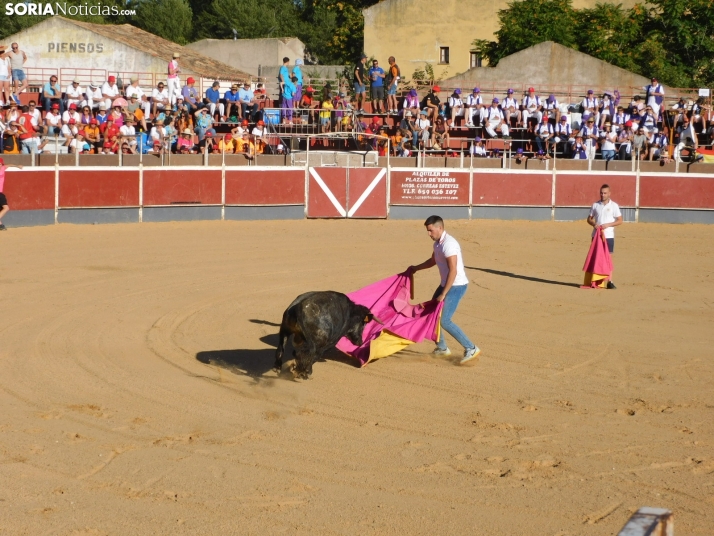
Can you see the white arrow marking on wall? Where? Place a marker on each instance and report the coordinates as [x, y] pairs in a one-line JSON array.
[[366, 193], [328, 192]]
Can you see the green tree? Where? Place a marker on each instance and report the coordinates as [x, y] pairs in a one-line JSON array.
[[170, 19], [251, 18], [526, 23]]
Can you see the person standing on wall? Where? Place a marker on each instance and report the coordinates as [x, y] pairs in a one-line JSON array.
[[606, 215], [173, 79], [19, 77], [360, 83], [392, 82], [447, 257]]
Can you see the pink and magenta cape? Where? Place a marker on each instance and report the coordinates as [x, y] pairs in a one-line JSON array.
[[598, 263], [403, 323]]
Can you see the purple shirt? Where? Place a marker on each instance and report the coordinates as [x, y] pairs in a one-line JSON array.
[[189, 94]]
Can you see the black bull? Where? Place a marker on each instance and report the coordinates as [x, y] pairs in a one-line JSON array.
[[317, 320]]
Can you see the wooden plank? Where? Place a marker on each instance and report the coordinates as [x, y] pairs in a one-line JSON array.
[[649, 521]]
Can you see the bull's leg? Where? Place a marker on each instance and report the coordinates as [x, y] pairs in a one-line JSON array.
[[306, 356], [282, 340]]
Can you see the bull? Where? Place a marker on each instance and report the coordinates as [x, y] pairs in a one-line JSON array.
[[317, 321]]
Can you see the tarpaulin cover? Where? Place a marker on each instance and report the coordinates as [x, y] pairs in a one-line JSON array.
[[403, 323], [598, 263]]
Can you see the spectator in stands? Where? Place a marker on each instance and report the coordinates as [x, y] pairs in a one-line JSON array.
[[431, 103], [618, 122], [52, 94], [158, 132], [551, 108], [342, 107], [204, 123], [260, 131], [423, 129], [472, 108], [656, 143], [53, 121], [11, 138], [606, 110], [297, 74], [133, 89], [360, 83], [135, 111], [654, 95], [639, 143], [246, 146], [207, 144], [563, 136], [590, 105], [69, 131], [17, 62], [579, 149], [409, 123], [102, 114], [93, 96], [78, 144], [74, 94], [624, 138], [36, 117], [391, 80], [92, 134], [544, 134], [590, 134], [376, 77], [5, 77], [248, 104], [687, 137], [607, 143], [117, 116], [511, 109], [288, 95], [411, 103], [238, 131], [213, 99], [184, 144], [160, 99], [71, 113], [174, 89], [440, 134], [326, 108], [456, 105], [128, 135], [190, 95], [110, 91], [232, 102], [283, 76], [307, 102], [227, 145], [495, 120], [532, 107], [636, 106], [85, 115], [649, 119], [477, 148], [29, 137]]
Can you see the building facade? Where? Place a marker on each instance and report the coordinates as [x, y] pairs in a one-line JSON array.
[[418, 32], [251, 55]]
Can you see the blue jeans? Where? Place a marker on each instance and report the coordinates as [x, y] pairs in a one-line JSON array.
[[608, 155], [451, 302]]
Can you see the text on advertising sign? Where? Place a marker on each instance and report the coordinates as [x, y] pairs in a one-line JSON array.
[[429, 188]]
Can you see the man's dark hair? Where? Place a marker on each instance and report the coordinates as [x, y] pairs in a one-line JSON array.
[[434, 220], [286, 60], [605, 186]]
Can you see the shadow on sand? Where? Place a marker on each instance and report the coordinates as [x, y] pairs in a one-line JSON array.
[[524, 277], [257, 362]]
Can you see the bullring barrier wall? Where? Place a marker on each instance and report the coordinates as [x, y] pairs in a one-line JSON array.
[[48, 195]]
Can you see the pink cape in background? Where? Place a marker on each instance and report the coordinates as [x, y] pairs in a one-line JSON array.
[[404, 324], [598, 263]]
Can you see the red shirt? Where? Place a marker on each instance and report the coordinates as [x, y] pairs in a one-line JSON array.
[[27, 125]]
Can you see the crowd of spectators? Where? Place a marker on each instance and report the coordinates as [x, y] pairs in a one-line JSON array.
[[110, 117]]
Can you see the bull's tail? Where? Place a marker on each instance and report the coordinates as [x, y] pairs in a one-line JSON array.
[[282, 340]]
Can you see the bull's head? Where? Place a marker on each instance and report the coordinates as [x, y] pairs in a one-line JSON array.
[[358, 319]]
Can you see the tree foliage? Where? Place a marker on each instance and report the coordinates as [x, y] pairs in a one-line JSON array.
[[670, 39], [170, 19]]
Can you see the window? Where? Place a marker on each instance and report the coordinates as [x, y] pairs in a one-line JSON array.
[[444, 55], [475, 60]]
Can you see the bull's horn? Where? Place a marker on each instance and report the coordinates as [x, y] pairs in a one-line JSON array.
[[377, 320]]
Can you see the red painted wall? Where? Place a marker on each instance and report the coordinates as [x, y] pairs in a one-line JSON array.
[[584, 190], [375, 204], [167, 187], [676, 192], [511, 189], [319, 205], [110, 188], [30, 190], [273, 187]]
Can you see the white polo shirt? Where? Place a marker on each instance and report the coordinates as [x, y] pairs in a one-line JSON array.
[[447, 246], [605, 214]]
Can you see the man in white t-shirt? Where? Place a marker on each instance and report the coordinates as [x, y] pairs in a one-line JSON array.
[[447, 257], [606, 215]]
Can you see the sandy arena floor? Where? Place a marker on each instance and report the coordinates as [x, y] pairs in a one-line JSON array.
[[137, 395]]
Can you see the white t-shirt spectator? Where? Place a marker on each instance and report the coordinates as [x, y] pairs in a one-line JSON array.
[[129, 132], [158, 134], [36, 116], [112, 90], [69, 131], [74, 94], [5, 67], [603, 214], [71, 114], [447, 246], [259, 132], [134, 90], [77, 145], [54, 119], [608, 142], [423, 124], [158, 96]]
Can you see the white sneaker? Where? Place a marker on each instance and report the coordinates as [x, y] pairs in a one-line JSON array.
[[438, 352], [470, 354]]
